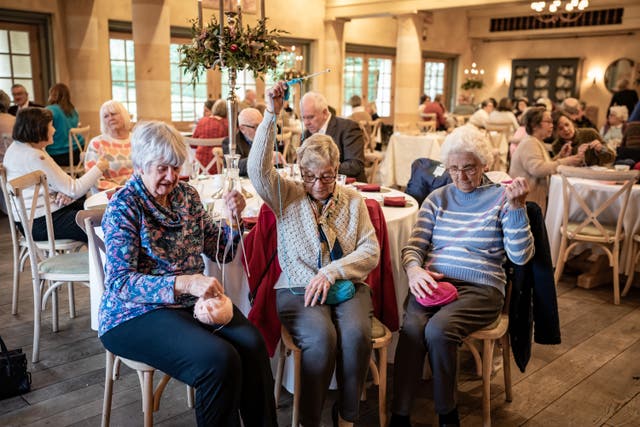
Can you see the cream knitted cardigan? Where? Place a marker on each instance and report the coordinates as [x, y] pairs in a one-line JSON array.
[[298, 240]]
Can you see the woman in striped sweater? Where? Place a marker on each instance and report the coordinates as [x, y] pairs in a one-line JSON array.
[[463, 235]]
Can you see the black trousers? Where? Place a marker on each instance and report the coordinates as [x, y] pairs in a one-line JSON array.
[[64, 224], [229, 367]]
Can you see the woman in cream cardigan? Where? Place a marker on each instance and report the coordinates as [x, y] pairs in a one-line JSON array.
[[531, 159]]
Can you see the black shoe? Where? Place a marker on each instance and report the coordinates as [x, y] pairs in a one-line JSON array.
[[399, 421], [452, 419]]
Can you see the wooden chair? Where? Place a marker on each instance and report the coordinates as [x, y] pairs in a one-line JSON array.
[[635, 257], [48, 266], [288, 152], [429, 122], [380, 339], [216, 150], [592, 229], [21, 250], [499, 137], [498, 332], [77, 169], [372, 157], [461, 119], [89, 221]]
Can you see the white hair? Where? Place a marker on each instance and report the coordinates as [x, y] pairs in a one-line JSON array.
[[113, 106], [155, 142], [319, 101], [620, 111], [467, 139]]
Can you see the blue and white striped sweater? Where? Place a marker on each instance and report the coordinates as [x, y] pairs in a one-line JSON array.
[[467, 236]]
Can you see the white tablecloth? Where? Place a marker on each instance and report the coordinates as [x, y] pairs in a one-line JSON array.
[[403, 150], [595, 193]]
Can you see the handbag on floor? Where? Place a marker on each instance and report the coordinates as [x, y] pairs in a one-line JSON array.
[[14, 378]]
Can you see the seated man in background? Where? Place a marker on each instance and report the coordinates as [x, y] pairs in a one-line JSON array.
[[480, 117], [358, 113], [345, 133], [574, 110], [20, 99], [464, 106], [248, 121]]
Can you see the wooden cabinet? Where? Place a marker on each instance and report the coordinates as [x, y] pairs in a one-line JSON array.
[[555, 79]]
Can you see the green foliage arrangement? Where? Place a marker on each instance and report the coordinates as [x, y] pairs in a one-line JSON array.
[[255, 49], [291, 73], [472, 83]]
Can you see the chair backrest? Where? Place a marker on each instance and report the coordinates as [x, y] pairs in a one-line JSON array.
[[36, 180], [216, 159], [593, 222], [499, 135], [89, 220], [461, 119], [9, 205], [76, 144], [288, 152]]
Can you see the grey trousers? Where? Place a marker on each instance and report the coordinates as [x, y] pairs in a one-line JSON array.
[[439, 331], [338, 335]]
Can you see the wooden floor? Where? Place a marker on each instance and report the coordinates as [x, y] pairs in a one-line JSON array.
[[591, 379]]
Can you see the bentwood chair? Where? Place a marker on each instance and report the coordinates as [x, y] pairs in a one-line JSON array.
[[372, 158], [217, 158], [78, 141], [498, 332], [48, 267], [380, 339], [635, 257], [288, 151], [20, 249], [499, 138], [594, 229], [90, 221]]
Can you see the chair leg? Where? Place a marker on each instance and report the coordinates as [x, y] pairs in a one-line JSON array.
[[632, 269], [72, 305], [54, 309], [297, 368], [615, 255], [560, 261], [487, 365], [506, 366], [382, 386], [190, 397], [37, 312], [277, 387], [147, 398], [16, 279], [108, 390]]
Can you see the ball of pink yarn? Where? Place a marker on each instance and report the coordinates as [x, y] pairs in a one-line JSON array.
[[214, 310], [444, 294]]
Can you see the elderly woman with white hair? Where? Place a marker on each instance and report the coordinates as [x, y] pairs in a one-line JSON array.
[[113, 145], [156, 230], [463, 235], [326, 248], [614, 129]]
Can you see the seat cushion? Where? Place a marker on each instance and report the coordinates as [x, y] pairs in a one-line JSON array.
[[377, 329], [590, 230], [74, 263]]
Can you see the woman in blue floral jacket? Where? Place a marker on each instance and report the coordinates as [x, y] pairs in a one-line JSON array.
[[155, 232]]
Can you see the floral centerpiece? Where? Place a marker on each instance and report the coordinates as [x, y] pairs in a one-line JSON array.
[[472, 83], [291, 73], [252, 48]]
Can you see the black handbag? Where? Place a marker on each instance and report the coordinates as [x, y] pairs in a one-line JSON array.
[[14, 378]]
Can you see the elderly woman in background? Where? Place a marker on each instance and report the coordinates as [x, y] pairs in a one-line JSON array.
[[155, 232], [460, 226], [113, 144], [6, 120], [503, 115], [65, 118], [214, 126], [586, 141], [616, 123], [531, 159], [325, 237], [32, 133]]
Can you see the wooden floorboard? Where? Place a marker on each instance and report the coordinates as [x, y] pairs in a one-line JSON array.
[[591, 379]]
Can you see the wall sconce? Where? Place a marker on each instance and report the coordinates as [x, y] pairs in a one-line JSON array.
[[593, 75], [504, 76]]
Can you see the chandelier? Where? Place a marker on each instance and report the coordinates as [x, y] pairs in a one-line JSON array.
[[559, 11]]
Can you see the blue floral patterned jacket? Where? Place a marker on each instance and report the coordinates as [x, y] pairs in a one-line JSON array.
[[149, 245]]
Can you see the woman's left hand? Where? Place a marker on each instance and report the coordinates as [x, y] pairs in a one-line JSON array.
[[235, 203], [517, 192], [596, 145], [317, 290]]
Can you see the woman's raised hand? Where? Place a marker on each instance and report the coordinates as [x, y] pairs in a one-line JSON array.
[[103, 164], [422, 282], [198, 285], [516, 192], [275, 97], [565, 151], [235, 203]]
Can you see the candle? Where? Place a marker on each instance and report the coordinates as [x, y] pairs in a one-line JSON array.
[[221, 17], [261, 9], [240, 14], [200, 13]]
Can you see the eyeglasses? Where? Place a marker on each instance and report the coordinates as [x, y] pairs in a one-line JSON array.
[[250, 126], [467, 170], [325, 179]]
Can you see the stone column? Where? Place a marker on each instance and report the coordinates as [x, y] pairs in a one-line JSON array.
[[408, 69], [87, 65], [151, 39], [334, 51]]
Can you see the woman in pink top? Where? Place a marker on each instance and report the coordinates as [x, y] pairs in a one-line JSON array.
[[113, 145]]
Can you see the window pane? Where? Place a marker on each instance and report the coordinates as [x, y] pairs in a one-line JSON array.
[[131, 71], [129, 50], [5, 85], [19, 42], [22, 66], [116, 49], [4, 41], [5, 66], [118, 71]]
